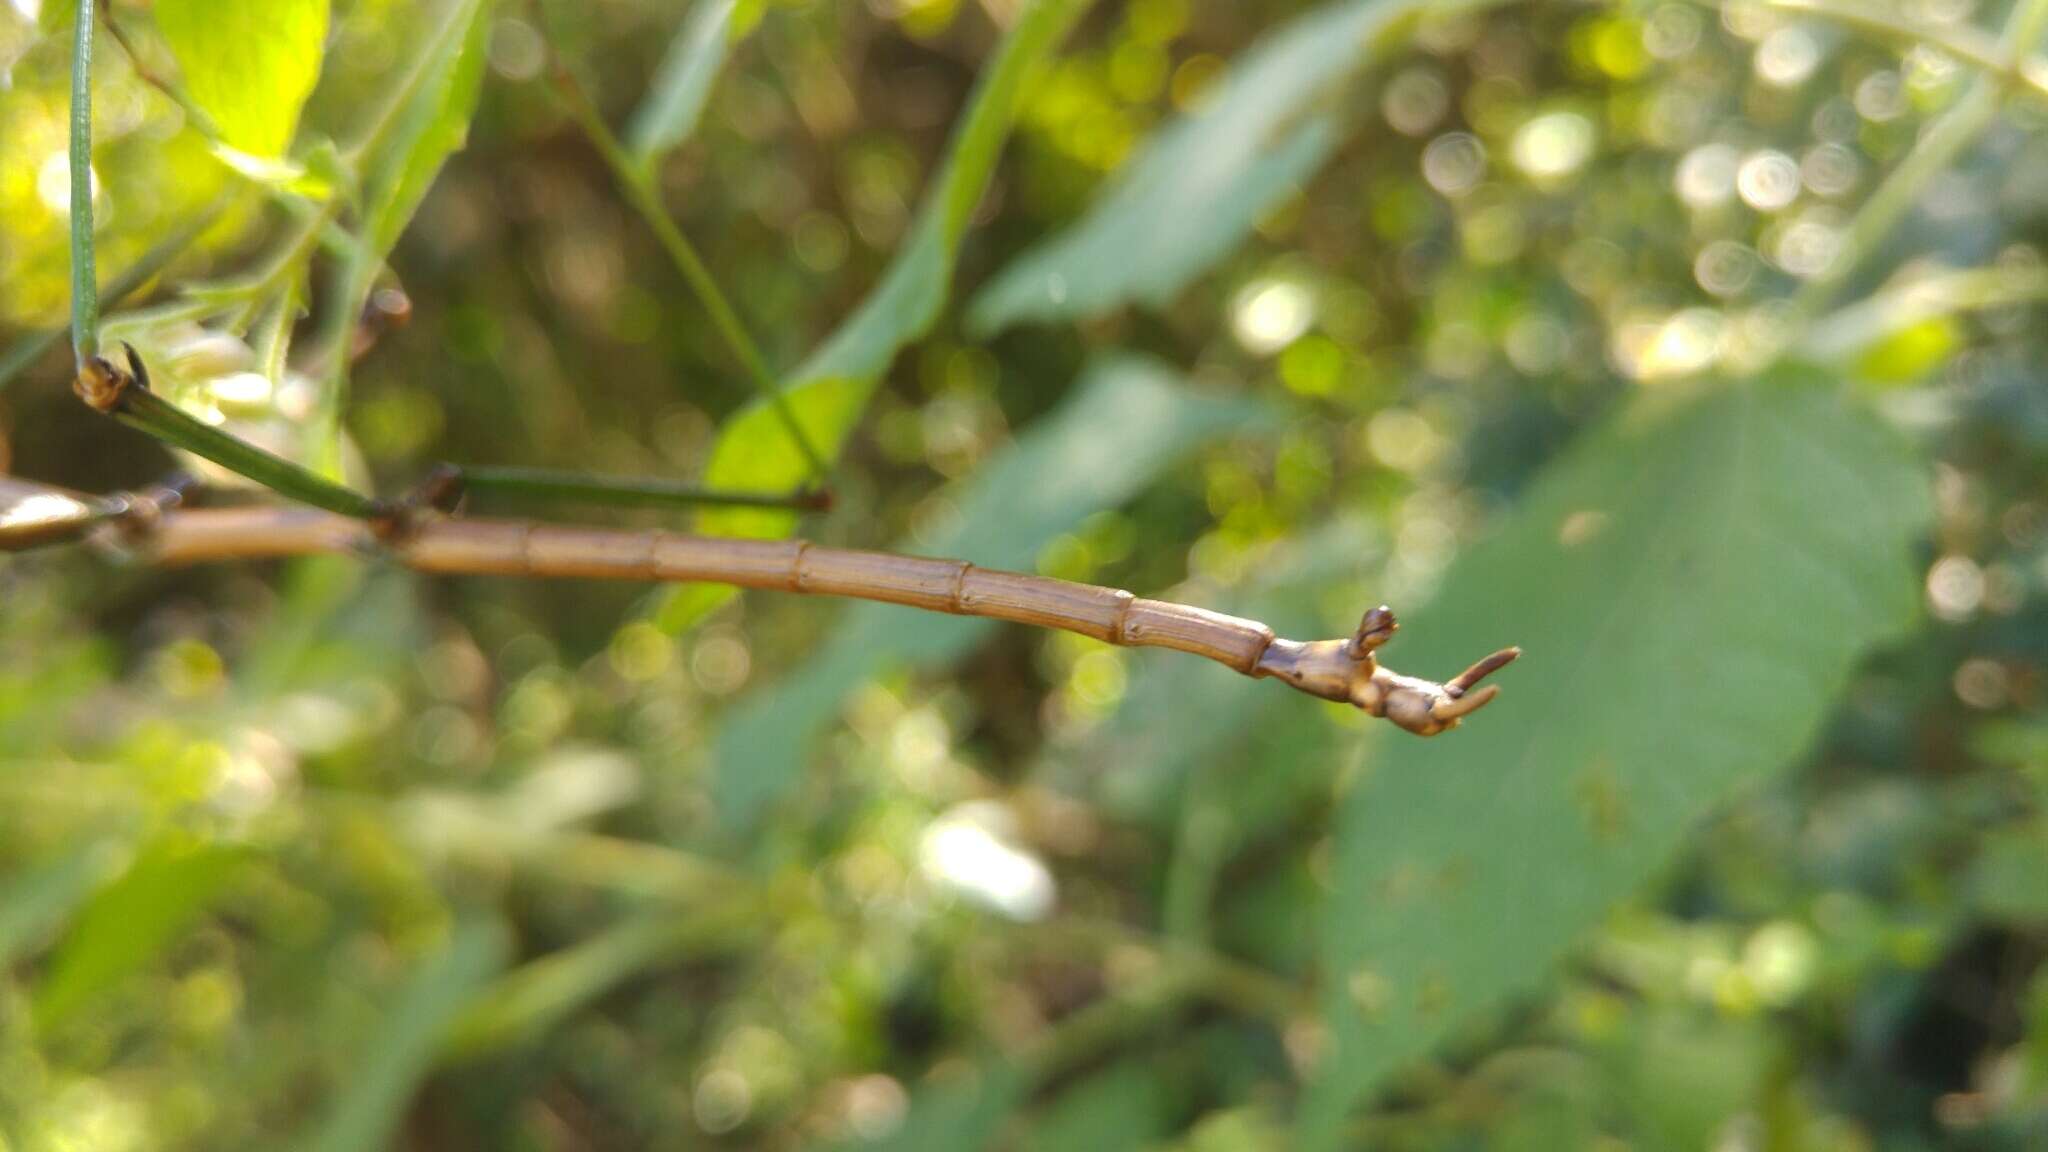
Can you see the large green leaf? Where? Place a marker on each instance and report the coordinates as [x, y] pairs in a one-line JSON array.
[[1694, 584], [754, 451], [682, 85], [131, 921], [403, 1046], [1205, 180], [249, 64], [1129, 418]]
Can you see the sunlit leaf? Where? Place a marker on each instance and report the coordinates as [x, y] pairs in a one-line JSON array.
[[432, 125], [132, 920], [250, 64], [831, 390], [1694, 584], [1128, 419], [369, 1104], [682, 85], [1200, 184]]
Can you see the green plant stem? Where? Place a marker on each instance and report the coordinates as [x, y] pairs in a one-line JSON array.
[[131, 280], [1857, 326], [1978, 49], [1948, 137], [637, 182], [620, 491], [146, 412], [85, 299]]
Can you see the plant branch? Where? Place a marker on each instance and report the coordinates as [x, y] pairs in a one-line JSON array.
[[1952, 133], [1345, 670], [451, 483], [125, 395], [85, 299], [637, 182], [1972, 46]]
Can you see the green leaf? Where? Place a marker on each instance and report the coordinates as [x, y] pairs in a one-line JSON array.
[[431, 125], [1694, 584], [1123, 1107], [530, 1001], [36, 901], [1128, 419], [682, 85], [250, 64], [403, 1047], [131, 921], [1201, 184], [831, 390]]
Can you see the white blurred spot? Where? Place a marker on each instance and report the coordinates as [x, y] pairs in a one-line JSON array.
[[1686, 343], [1881, 97], [1955, 588], [875, 1105], [1553, 145], [240, 390], [722, 1101], [1271, 314], [1454, 163], [1415, 100], [1706, 175], [53, 183], [1768, 180], [1672, 30], [1725, 267], [1806, 248], [968, 851], [1830, 169], [1399, 438], [1983, 684], [1787, 57]]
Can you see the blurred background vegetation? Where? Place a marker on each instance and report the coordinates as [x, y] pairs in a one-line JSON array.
[[1691, 347]]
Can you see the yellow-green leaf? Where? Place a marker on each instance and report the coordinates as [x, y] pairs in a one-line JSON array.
[[831, 390], [249, 64]]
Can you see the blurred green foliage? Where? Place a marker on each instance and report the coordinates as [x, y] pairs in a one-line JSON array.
[[1564, 324]]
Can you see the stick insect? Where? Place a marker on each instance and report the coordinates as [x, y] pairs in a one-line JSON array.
[[430, 536]]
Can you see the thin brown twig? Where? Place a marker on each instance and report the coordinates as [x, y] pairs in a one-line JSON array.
[[1345, 670]]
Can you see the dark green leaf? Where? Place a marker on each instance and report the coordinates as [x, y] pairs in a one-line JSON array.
[[683, 83], [402, 1049], [132, 920], [250, 64], [529, 1001], [1128, 419], [831, 390], [1121, 1108], [36, 901], [1693, 584]]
